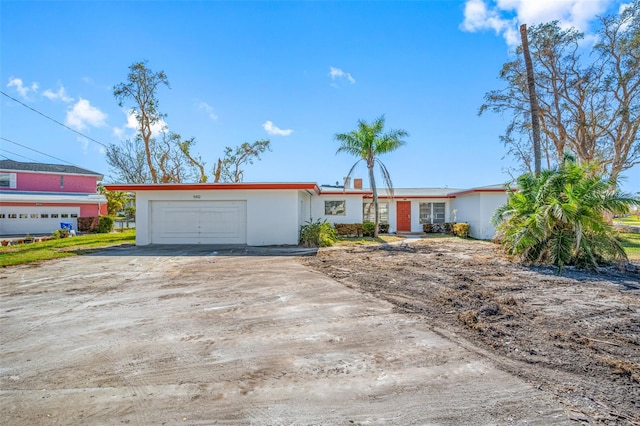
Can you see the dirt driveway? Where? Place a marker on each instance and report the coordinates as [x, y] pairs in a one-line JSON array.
[[192, 336]]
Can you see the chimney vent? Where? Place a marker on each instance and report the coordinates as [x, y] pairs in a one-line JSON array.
[[347, 182], [357, 183]]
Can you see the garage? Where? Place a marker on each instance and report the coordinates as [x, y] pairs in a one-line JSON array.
[[22, 220], [198, 222]]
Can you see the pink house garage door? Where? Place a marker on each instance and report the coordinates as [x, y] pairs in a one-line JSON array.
[[22, 220], [198, 222]]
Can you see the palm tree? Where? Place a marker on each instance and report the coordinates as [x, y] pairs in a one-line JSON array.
[[559, 217], [367, 142]]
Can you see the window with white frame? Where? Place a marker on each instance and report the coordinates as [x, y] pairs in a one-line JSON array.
[[7, 180], [369, 212], [432, 212], [332, 208]]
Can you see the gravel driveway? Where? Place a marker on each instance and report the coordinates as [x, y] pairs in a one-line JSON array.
[[205, 335]]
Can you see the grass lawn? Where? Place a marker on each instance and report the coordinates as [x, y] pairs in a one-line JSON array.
[[632, 220], [65, 247], [631, 244], [359, 241]]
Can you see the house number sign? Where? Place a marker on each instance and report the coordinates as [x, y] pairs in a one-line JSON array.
[[196, 196]]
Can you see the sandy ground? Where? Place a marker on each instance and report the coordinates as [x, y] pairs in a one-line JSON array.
[[192, 336], [576, 336]]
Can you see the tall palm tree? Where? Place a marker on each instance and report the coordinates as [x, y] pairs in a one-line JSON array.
[[558, 217], [367, 142]]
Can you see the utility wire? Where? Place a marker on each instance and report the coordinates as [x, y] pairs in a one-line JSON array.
[[52, 119], [13, 153], [35, 150]]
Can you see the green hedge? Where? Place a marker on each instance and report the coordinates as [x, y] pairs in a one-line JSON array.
[[368, 229], [105, 224], [349, 229], [461, 230]]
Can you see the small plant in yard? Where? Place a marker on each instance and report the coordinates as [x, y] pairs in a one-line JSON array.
[[368, 229], [60, 233], [461, 230], [317, 234], [105, 224]]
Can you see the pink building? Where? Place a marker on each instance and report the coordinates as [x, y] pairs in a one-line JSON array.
[[35, 198]]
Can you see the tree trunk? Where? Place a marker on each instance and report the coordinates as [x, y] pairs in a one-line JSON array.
[[533, 99], [216, 171], [375, 198]]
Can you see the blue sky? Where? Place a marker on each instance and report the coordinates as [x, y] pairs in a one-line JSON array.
[[294, 72]]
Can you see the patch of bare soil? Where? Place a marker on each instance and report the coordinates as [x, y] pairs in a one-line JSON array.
[[576, 335]]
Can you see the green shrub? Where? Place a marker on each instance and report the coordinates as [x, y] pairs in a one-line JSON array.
[[461, 230], [317, 234], [383, 228], [87, 224], [349, 229], [60, 233], [558, 217], [105, 224], [448, 227], [368, 229]]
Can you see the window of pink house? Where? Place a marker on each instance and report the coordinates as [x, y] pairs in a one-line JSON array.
[[7, 180]]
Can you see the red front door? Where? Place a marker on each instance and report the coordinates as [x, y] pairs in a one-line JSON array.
[[403, 209]]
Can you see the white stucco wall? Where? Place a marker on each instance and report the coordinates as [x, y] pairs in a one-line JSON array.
[[353, 210], [476, 209], [272, 215]]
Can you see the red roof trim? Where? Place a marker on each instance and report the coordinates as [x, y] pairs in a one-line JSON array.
[[211, 186], [338, 193], [400, 197]]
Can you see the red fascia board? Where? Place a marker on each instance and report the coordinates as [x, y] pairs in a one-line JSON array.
[[211, 186], [400, 197], [365, 193]]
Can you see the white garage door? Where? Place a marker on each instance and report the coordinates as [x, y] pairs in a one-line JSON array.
[[17, 220], [198, 222]]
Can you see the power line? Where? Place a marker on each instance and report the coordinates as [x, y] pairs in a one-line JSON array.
[[13, 153], [35, 150], [52, 119]]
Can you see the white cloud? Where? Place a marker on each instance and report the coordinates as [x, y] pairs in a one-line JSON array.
[[132, 126], [203, 106], [504, 16], [83, 115], [60, 94], [337, 73], [273, 130], [21, 88]]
